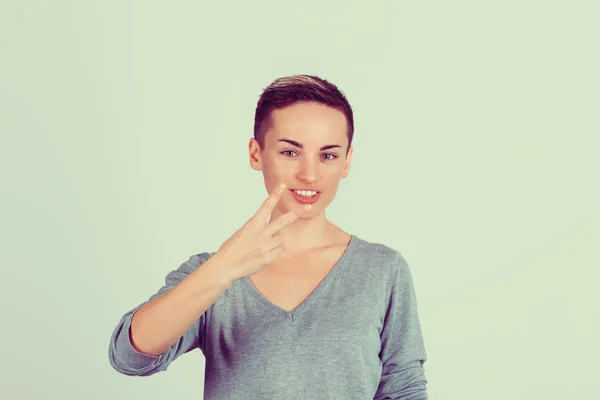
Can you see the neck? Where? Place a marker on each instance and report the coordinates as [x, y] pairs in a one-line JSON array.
[[307, 234]]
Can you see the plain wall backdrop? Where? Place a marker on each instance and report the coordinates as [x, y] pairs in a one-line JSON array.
[[124, 132]]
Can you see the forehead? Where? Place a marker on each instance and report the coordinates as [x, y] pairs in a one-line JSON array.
[[309, 122]]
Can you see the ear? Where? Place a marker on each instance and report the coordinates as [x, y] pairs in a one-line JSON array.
[[347, 165], [255, 155]]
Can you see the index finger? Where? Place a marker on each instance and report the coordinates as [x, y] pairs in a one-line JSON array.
[[264, 212]]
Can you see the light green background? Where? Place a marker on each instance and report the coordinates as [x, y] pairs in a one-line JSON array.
[[124, 151]]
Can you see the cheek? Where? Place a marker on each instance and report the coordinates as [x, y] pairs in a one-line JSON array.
[[282, 169], [277, 171]]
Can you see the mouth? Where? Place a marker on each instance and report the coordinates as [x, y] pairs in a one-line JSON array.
[[305, 199]]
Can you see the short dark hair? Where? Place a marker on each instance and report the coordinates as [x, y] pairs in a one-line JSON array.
[[289, 90]]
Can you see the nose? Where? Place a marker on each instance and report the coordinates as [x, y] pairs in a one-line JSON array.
[[308, 171]]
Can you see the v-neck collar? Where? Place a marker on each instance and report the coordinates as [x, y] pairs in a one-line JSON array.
[[332, 273]]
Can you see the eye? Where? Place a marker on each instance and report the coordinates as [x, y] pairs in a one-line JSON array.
[[333, 156]]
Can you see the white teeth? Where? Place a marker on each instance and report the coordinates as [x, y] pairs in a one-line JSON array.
[[305, 193]]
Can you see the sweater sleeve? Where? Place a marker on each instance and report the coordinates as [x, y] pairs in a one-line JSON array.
[[124, 358], [402, 348]]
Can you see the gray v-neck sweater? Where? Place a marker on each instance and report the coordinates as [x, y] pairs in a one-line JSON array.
[[357, 336]]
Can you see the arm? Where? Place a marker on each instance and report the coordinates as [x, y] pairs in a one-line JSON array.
[[402, 348], [153, 334]]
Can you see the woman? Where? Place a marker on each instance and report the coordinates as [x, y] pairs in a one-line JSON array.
[[291, 306]]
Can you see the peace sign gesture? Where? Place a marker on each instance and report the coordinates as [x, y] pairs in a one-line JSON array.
[[258, 243]]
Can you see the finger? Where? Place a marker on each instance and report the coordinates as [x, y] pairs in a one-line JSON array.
[[264, 212], [286, 219], [274, 242]]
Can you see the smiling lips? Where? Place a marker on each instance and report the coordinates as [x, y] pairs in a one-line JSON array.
[[306, 199]]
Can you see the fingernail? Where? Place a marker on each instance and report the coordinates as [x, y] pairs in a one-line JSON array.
[[307, 207], [282, 186]]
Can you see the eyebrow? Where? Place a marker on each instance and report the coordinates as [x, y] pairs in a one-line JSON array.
[[294, 143]]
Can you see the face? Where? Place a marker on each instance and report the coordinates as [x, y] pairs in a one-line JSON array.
[[306, 148]]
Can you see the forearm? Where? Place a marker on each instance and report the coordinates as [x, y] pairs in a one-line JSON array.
[[157, 325]]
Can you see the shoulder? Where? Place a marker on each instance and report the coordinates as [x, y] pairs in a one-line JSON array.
[[385, 256], [379, 251]]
